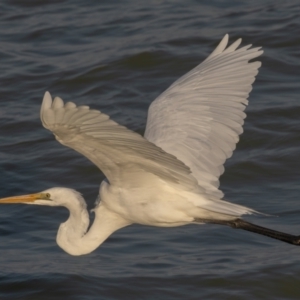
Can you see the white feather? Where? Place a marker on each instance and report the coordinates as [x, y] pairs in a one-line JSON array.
[[198, 119]]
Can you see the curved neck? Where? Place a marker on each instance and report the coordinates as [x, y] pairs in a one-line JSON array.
[[73, 237]]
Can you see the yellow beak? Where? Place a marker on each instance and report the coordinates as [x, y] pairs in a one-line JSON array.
[[21, 199]]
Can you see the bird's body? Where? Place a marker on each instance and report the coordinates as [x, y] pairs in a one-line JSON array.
[[169, 177], [157, 204]]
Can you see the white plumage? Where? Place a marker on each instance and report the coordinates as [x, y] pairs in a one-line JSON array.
[[200, 116], [170, 177]]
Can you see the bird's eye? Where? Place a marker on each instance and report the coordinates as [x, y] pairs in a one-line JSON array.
[[47, 195]]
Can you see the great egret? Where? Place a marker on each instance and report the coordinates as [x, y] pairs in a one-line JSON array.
[[169, 177]]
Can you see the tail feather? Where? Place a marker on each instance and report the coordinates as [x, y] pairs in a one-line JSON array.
[[224, 207]]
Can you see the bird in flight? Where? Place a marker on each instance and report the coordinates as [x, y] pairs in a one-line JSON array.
[[169, 177]]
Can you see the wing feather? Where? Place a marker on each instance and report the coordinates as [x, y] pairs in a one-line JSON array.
[[125, 157], [200, 116]]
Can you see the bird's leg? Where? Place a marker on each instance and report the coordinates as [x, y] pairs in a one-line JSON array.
[[241, 224]]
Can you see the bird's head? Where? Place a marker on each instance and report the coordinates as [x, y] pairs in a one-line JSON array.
[[56, 196]]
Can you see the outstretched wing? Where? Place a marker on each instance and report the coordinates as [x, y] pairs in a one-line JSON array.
[[126, 158], [200, 116]]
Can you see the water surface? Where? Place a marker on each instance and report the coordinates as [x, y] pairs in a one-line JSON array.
[[117, 56]]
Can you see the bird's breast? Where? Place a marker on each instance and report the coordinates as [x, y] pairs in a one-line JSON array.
[[155, 206]]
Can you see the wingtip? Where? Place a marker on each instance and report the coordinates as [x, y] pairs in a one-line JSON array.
[[47, 101], [221, 47], [224, 41], [233, 46], [46, 104]]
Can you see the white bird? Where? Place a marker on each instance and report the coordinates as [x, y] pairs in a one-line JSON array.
[[169, 177]]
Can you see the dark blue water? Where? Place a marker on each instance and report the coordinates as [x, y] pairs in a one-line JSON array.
[[117, 56]]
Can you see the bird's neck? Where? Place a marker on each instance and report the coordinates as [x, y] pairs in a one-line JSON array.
[[73, 236]]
